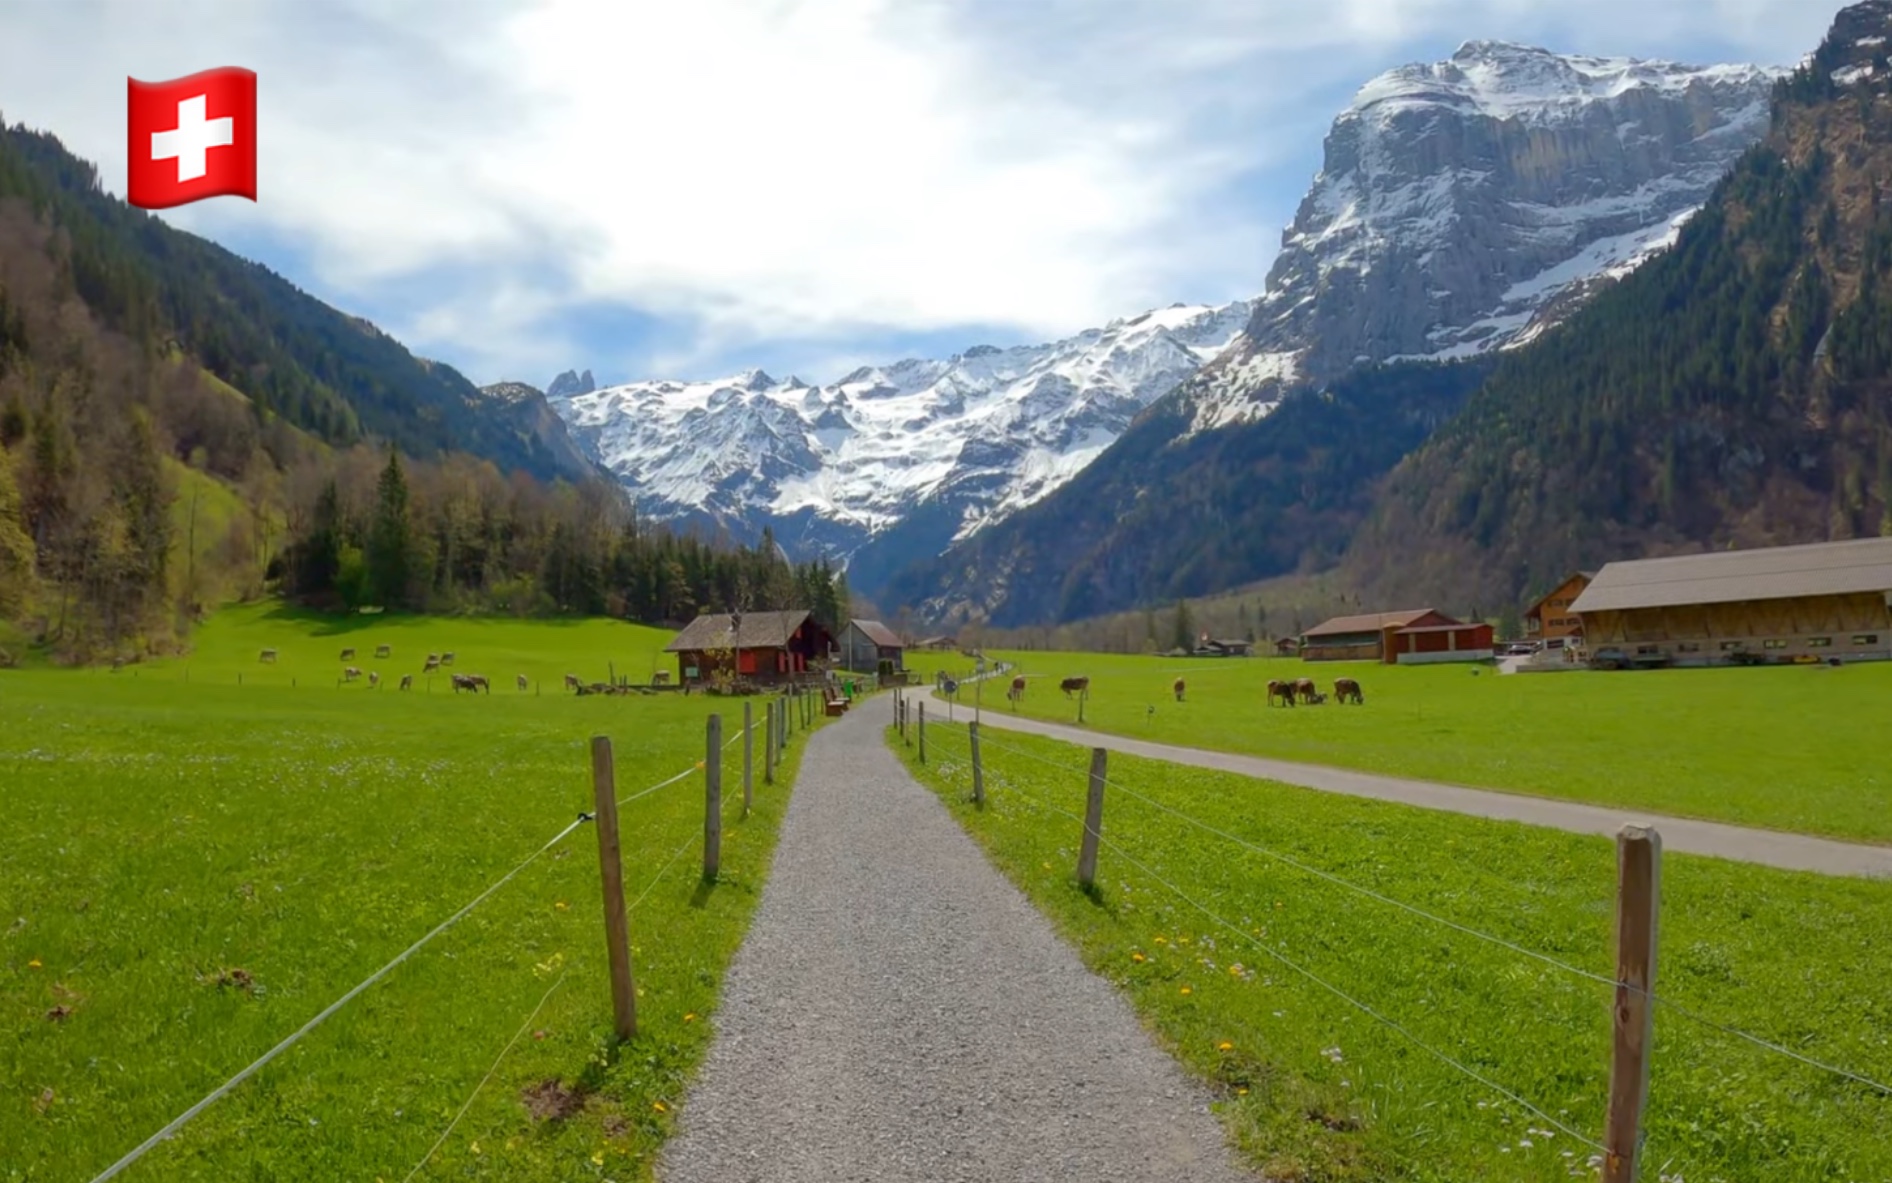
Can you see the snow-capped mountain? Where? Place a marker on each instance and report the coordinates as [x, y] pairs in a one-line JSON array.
[[971, 438], [1464, 205]]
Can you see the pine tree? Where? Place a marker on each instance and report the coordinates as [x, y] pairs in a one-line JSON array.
[[390, 538], [16, 546], [1184, 631]]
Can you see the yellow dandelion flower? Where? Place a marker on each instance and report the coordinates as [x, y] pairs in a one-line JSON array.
[[562, 906], [1235, 971], [1162, 940], [1225, 1046], [1047, 866], [659, 1106], [33, 964], [597, 1158], [690, 1018], [1241, 1092], [1136, 957], [1187, 990], [476, 1147]]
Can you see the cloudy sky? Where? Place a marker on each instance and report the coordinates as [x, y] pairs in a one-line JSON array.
[[649, 188]]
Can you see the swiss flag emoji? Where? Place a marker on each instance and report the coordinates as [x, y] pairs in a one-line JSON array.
[[192, 138]]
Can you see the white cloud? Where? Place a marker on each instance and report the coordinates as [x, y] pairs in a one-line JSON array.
[[803, 170]]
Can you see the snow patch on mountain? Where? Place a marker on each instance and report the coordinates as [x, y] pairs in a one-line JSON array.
[[1464, 206], [983, 433]]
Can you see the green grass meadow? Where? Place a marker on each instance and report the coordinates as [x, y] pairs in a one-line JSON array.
[[192, 869], [1789, 748], [1313, 1089]]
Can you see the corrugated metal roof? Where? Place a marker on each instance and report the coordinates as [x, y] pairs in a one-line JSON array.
[[879, 634], [1734, 576], [759, 630], [1372, 622]]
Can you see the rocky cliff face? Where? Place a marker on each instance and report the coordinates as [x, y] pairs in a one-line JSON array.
[[569, 384], [1463, 205], [523, 410]]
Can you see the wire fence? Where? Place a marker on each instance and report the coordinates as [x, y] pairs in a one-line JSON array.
[[172, 1127], [1143, 864]]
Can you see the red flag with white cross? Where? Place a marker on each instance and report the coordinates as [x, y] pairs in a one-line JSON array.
[[192, 138]]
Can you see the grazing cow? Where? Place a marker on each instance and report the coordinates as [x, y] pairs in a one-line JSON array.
[[1018, 688], [473, 682], [1074, 686], [374, 679], [1305, 690], [407, 681], [350, 674], [384, 651], [480, 683], [348, 655], [268, 656], [1348, 690], [523, 684], [446, 659], [571, 681], [1178, 688], [1282, 691]]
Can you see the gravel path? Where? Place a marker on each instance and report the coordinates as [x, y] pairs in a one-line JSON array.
[[1772, 848], [900, 1012]]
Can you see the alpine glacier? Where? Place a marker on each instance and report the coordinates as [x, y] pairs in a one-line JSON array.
[[974, 436]]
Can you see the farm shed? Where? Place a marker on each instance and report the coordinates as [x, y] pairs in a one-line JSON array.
[[1287, 647], [1779, 604], [1428, 644], [1364, 638], [1211, 647], [938, 643], [764, 647], [1552, 616], [870, 647]]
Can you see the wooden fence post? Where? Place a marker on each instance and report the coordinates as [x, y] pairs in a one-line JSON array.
[[713, 798], [1093, 821], [748, 757], [922, 732], [617, 924], [768, 744], [978, 769], [1638, 897]]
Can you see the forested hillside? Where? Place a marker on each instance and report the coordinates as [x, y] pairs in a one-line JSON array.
[[1733, 392], [138, 489], [333, 375]]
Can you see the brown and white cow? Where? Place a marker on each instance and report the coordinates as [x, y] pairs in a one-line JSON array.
[[374, 679], [268, 656], [350, 674], [571, 681], [348, 655], [1348, 690], [1072, 686], [446, 659], [1178, 688], [407, 681], [1305, 690], [523, 684]]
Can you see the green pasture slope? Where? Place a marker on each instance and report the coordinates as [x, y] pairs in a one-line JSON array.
[[1786, 748], [1312, 1088], [192, 870]]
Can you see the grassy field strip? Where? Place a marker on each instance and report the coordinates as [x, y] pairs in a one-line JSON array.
[[199, 871], [1783, 748], [1486, 942]]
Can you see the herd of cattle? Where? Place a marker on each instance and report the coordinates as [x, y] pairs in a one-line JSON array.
[[473, 683], [1283, 693]]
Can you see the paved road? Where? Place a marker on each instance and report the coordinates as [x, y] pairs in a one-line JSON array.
[[1773, 848], [900, 1012]]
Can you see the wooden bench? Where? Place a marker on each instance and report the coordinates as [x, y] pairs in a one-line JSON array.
[[836, 707]]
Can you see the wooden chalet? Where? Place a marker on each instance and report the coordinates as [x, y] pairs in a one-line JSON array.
[[1553, 616], [767, 648], [1367, 637], [1287, 647], [870, 647]]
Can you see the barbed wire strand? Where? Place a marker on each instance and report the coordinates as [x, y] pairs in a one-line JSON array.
[[1337, 992], [223, 1089], [1657, 999], [520, 1034]]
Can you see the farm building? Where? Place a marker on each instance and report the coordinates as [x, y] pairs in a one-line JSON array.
[[870, 647], [1211, 647], [1552, 616], [938, 643], [1427, 644], [764, 647], [1780, 604], [1287, 647], [1364, 638]]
